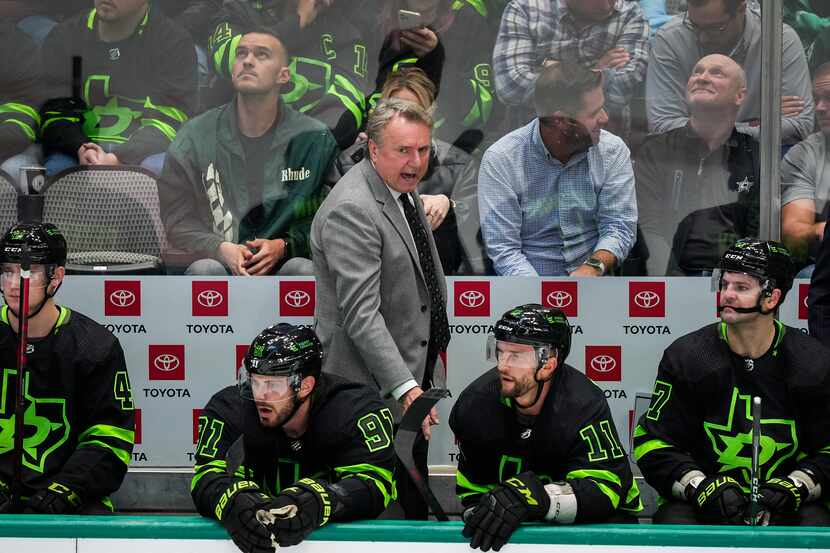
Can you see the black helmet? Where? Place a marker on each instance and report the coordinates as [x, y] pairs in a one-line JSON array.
[[282, 350], [535, 325], [47, 246], [768, 261]]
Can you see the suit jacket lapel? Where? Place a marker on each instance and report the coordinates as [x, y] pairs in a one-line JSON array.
[[391, 211]]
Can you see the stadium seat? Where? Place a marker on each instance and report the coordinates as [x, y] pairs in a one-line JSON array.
[[110, 217], [8, 202]]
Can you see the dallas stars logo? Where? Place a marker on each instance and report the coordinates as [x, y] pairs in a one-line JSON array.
[[732, 442], [46, 427], [745, 185]]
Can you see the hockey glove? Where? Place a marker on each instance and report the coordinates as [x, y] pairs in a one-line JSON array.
[[56, 499], [500, 511], [299, 510], [5, 498], [782, 495], [719, 499], [237, 511]]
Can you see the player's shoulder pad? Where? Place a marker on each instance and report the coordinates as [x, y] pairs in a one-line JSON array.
[[697, 354], [89, 338], [807, 360], [339, 402], [574, 393], [479, 414]]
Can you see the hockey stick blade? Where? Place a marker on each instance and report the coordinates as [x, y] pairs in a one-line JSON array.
[[405, 439]]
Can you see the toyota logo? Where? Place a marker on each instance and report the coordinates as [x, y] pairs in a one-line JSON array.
[[647, 299], [471, 298], [297, 298], [210, 298], [603, 363], [560, 299], [805, 301], [122, 298], [166, 362]]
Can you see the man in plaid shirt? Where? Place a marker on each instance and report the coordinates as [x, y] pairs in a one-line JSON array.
[[610, 35]]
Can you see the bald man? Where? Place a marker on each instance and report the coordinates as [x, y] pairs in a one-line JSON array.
[[242, 181], [697, 186]]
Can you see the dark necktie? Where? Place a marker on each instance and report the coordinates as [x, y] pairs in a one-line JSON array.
[[439, 328]]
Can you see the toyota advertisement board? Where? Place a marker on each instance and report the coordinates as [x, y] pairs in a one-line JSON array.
[[184, 339]]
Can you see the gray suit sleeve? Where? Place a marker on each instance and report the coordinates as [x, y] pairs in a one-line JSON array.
[[353, 249], [665, 87]]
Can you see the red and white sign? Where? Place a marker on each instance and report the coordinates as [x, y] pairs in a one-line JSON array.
[[166, 362], [122, 298], [138, 427], [241, 350], [603, 363], [646, 299], [297, 298], [803, 292], [209, 298], [562, 295], [472, 298], [196, 414]]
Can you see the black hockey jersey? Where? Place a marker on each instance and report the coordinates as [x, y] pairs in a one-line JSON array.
[[138, 91], [699, 417], [349, 437], [572, 439], [19, 91], [79, 415]]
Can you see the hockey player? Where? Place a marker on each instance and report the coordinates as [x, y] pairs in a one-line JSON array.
[[693, 443], [536, 437], [289, 449], [79, 414]]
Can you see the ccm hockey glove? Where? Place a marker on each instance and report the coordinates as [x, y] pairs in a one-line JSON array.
[[299, 510], [719, 499], [56, 499], [500, 511], [237, 511], [782, 495]]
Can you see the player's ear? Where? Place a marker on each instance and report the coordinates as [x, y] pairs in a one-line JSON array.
[[547, 370], [306, 387], [57, 278]]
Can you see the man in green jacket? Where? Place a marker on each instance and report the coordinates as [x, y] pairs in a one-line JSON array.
[[242, 182]]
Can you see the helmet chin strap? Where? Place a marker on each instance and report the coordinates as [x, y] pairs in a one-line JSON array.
[[756, 309]]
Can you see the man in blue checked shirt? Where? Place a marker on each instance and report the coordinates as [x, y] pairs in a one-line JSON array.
[[557, 196], [609, 35]]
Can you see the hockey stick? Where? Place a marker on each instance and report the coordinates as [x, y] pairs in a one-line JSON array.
[[754, 484], [405, 439], [20, 402]]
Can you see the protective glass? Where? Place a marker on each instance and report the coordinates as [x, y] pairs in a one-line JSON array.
[[527, 358], [10, 275], [263, 387], [717, 277]]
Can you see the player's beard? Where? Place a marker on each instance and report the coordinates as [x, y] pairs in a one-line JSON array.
[[517, 388]]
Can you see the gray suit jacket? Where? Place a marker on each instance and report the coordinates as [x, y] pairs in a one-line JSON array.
[[372, 310]]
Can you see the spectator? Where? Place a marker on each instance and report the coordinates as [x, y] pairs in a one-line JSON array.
[[465, 33], [329, 56], [138, 82], [805, 181], [557, 196], [698, 185], [811, 20], [724, 27], [609, 35], [19, 93], [243, 181], [449, 169]]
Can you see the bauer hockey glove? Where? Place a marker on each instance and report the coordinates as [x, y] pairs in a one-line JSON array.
[[237, 511], [779, 495], [299, 510], [719, 499], [500, 511], [56, 499]]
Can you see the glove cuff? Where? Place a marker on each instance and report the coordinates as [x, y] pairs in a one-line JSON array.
[[226, 499], [807, 479], [319, 490], [532, 492]]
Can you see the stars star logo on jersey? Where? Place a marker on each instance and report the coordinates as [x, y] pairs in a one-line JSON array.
[[745, 185], [732, 441], [46, 427]]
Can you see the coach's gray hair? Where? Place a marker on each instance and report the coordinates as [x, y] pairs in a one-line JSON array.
[[386, 110]]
